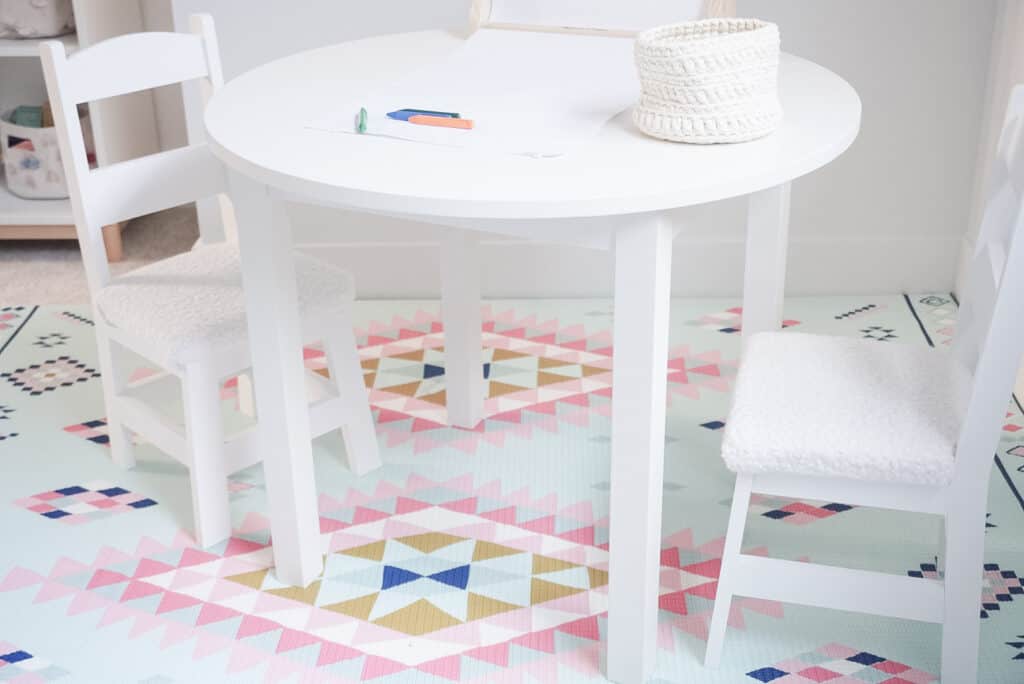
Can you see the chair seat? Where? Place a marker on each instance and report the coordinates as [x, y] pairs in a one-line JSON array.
[[191, 306], [842, 407]]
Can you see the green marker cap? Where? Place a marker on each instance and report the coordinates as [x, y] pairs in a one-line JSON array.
[[361, 122]]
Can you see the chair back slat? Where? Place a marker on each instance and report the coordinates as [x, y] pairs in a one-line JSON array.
[[989, 340], [119, 192], [601, 15], [999, 221], [134, 62], [126, 190]]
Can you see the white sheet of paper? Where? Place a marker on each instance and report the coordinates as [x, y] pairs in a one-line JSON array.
[[537, 94]]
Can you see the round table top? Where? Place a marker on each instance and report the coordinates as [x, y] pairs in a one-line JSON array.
[[258, 125]]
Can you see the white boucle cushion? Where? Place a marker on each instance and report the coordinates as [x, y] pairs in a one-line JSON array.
[[192, 305], [835, 406]]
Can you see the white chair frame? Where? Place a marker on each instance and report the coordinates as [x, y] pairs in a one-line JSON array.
[[118, 192], [988, 344]]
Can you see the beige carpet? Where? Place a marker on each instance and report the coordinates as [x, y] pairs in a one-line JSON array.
[[51, 271]]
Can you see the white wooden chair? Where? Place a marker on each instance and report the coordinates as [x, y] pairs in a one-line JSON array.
[[187, 313], [890, 426]]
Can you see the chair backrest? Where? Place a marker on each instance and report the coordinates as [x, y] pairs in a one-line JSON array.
[[122, 191], [606, 16], [990, 332]]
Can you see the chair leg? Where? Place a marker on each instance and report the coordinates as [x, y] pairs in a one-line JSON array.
[[961, 628], [246, 395], [210, 506], [115, 379], [357, 430], [724, 593]]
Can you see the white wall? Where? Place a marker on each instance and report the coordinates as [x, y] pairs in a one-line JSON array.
[[887, 216]]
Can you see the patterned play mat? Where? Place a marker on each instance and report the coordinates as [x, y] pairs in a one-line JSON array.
[[471, 556]]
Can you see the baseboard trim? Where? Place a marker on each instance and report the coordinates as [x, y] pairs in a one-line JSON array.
[[702, 266]]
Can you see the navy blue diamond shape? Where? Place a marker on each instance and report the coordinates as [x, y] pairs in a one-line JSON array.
[[767, 674], [865, 658], [113, 491], [68, 491], [16, 656]]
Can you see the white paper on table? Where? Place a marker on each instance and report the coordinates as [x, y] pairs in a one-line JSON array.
[[537, 94]]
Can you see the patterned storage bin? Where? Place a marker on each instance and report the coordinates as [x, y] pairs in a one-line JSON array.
[[31, 158], [35, 18]]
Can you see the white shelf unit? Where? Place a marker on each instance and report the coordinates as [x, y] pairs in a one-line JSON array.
[[29, 218], [15, 211], [11, 47], [123, 127]]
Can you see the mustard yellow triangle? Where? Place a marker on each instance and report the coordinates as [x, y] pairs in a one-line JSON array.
[[322, 371], [409, 389], [300, 594], [373, 551], [485, 550], [253, 580], [542, 592], [358, 608], [421, 617], [505, 354], [542, 564], [479, 607], [410, 356], [592, 370], [552, 363], [438, 398], [430, 541], [549, 378], [598, 578], [369, 364], [499, 388], [369, 379]]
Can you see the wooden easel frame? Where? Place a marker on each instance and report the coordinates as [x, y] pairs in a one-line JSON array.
[[480, 14]]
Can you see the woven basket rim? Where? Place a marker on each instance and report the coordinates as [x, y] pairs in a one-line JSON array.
[[689, 33]]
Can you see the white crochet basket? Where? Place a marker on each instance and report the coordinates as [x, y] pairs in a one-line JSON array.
[[35, 18], [709, 81]]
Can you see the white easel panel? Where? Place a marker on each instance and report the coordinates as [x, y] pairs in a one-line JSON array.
[[635, 15]]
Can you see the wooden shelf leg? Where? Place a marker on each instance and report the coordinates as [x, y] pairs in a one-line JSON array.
[[112, 242]]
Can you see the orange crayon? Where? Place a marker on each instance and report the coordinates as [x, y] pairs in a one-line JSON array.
[[442, 121]]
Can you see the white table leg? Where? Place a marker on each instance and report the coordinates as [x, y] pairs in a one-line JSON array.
[[275, 338], [643, 259], [764, 277], [465, 389]]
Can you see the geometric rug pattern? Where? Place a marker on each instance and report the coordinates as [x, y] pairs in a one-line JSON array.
[[794, 512], [77, 504], [50, 375], [21, 667], [471, 555], [998, 586], [841, 665], [539, 374]]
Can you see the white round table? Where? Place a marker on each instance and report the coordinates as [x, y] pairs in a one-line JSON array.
[[619, 192]]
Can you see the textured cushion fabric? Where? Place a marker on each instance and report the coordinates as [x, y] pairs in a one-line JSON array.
[[192, 305], [854, 408]]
